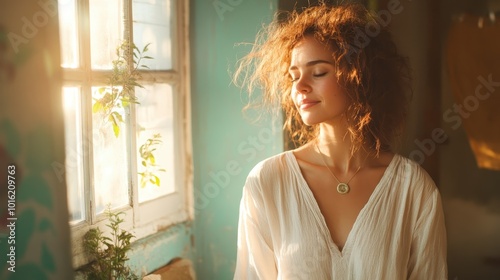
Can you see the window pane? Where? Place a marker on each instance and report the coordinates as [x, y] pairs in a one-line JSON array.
[[106, 31], [74, 153], [155, 116], [68, 28], [153, 24], [111, 176]]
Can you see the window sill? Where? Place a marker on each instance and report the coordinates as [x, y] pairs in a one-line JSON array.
[[177, 269]]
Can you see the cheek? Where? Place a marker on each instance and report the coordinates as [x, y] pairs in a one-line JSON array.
[[343, 101], [337, 92], [293, 97]]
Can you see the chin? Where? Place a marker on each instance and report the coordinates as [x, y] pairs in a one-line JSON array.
[[310, 121], [314, 119]]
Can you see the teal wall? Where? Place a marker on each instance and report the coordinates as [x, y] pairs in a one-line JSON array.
[[225, 144], [153, 252], [34, 231]]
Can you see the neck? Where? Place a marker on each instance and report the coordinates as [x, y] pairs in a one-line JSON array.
[[335, 144]]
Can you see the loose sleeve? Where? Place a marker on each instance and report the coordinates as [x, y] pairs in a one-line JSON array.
[[428, 249], [255, 256]]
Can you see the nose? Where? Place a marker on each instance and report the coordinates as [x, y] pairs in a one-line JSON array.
[[302, 85]]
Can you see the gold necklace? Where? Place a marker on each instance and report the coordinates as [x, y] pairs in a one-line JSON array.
[[342, 188]]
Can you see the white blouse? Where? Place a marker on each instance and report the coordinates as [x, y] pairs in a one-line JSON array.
[[399, 233]]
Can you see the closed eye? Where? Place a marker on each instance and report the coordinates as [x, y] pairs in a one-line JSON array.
[[320, 74], [294, 79]]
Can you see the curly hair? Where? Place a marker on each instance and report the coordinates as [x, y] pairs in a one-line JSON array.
[[375, 77]]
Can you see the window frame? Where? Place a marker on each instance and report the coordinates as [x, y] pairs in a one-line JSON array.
[[141, 219]]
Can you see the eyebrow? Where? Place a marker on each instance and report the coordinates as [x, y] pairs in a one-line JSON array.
[[311, 63]]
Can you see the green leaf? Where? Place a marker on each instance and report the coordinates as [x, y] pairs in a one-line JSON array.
[[151, 159], [112, 119], [118, 116], [97, 107], [116, 129], [134, 83]]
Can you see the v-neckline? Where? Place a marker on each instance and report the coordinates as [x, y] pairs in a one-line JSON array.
[[317, 211]]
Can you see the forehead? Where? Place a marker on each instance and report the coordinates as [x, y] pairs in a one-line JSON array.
[[309, 49]]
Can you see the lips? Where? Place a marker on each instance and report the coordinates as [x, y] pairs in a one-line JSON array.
[[307, 103]]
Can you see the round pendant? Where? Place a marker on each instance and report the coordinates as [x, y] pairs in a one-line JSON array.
[[343, 188]]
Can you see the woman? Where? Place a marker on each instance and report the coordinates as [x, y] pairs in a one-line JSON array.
[[343, 205]]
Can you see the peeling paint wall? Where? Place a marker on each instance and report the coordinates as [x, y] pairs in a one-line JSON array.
[[226, 145], [153, 252], [34, 230]]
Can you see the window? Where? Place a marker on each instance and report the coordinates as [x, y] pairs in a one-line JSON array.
[[104, 164]]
